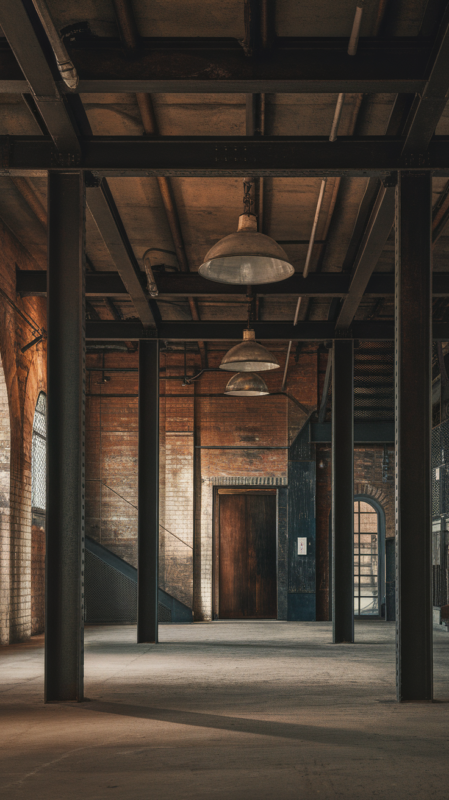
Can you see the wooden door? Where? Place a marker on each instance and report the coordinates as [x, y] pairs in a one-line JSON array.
[[247, 556]]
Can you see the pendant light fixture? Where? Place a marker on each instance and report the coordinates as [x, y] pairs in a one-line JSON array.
[[246, 257], [249, 356], [246, 384]]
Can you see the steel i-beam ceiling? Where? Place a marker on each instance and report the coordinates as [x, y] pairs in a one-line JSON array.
[[33, 283], [130, 330], [220, 65], [192, 156]]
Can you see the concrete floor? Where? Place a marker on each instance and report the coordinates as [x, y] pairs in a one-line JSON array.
[[226, 710]]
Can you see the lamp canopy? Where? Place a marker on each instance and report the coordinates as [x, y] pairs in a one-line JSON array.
[[246, 384], [246, 257], [249, 356]]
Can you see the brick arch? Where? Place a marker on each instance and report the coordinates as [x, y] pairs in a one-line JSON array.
[[385, 500]]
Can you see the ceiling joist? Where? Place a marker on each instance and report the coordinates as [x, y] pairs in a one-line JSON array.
[[220, 65], [197, 156], [232, 331], [33, 283]]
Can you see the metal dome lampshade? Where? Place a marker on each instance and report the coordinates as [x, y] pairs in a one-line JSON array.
[[249, 356], [246, 384], [246, 257]]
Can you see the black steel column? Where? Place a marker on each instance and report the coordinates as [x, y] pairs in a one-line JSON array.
[[413, 341], [64, 626], [148, 490], [343, 491]]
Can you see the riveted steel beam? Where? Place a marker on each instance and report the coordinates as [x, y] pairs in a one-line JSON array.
[[217, 156]]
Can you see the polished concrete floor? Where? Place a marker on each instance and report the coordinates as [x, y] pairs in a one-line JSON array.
[[226, 710]]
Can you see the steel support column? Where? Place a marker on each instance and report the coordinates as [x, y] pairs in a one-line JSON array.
[[413, 342], [148, 501], [64, 627], [343, 491]]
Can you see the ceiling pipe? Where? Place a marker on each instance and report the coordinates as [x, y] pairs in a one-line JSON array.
[[355, 33], [65, 65], [267, 23], [127, 26]]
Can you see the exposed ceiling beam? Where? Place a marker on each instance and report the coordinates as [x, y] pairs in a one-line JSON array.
[[33, 283], [373, 242], [326, 387], [104, 211], [224, 156], [431, 102], [220, 65], [130, 330], [422, 121], [26, 47]]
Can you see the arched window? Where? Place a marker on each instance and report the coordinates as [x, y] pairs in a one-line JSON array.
[[367, 564], [39, 455]]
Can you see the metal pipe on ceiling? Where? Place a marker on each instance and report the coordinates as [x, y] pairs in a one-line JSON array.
[[65, 65], [355, 33], [126, 25]]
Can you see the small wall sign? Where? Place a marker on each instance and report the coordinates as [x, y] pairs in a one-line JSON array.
[[302, 546]]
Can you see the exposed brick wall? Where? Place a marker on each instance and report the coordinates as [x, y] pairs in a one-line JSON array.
[[368, 480], [192, 420], [25, 377], [240, 423], [178, 526], [5, 466], [190, 416], [37, 576], [111, 456]]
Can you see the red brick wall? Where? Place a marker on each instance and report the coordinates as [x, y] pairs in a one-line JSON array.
[[368, 480], [37, 579], [193, 419], [25, 377], [189, 416], [111, 455]]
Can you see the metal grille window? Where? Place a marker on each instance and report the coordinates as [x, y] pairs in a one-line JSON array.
[[39, 455], [366, 559]]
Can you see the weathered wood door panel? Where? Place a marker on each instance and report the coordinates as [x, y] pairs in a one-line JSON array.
[[247, 557]]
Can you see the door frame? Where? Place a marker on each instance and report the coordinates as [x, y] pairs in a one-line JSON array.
[[222, 490]]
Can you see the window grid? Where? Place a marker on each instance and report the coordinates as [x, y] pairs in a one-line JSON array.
[[366, 559], [39, 455]]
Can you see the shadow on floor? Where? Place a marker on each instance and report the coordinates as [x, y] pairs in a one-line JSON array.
[[285, 730]]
